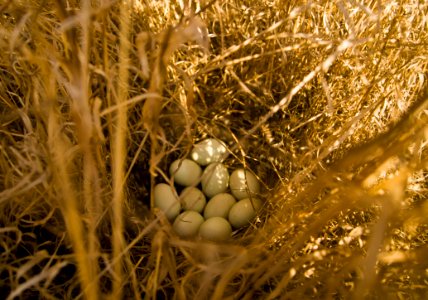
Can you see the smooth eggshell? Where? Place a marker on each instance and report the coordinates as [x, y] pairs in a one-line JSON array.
[[208, 151], [193, 199], [185, 172], [243, 183], [215, 229], [166, 199], [215, 179], [187, 223], [219, 206], [244, 211]]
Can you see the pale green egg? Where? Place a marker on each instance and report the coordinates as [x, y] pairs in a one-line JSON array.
[[166, 199], [185, 172], [215, 229], [244, 211], [215, 179], [208, 151], [219, 206], [244, 184], [193, 199], [187, 223]]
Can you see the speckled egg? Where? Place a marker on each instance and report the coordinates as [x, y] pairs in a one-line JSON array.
[[219, 206], [185, 172], [208, 151], [215, 229], [215, 179], [193, 199], [244, 211], [243, 183], [166, 199], [187, 223]]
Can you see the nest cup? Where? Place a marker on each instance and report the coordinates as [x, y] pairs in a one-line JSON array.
[[235, 198]]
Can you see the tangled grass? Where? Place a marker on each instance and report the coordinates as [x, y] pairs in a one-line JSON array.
[[326, 101]]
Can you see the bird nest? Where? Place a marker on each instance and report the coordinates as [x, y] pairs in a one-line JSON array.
[[326, 102]]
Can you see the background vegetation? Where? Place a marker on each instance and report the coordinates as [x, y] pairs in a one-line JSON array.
[[326, 101]]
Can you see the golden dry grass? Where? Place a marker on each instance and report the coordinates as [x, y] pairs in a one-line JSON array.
[[326, 101]]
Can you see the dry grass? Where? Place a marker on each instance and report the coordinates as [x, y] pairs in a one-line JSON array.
[[326, 101]]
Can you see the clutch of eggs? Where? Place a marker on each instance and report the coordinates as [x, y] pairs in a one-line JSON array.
[[212, 211]]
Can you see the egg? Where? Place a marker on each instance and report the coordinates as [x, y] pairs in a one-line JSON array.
[[208, 151], [215, 229], [244, 211], [219, 206], [185, 172], [215, 179], [187, 223], [193, 199], [243, 183], [166, 199]]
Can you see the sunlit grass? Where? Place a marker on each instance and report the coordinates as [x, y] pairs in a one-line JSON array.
[[325, 102]]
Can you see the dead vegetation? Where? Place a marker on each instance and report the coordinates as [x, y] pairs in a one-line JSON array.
[[326, 101]]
